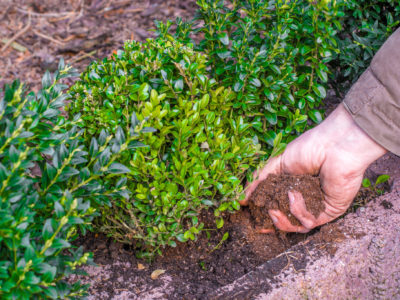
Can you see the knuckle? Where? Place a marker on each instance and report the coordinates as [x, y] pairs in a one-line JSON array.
[[308, 224]]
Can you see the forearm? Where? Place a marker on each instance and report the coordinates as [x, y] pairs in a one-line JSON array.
[[374, 100], [340, 133]]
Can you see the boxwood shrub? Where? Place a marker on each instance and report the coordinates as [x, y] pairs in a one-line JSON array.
[[274, 55], [50, 184], [366, 24], [197, 152]]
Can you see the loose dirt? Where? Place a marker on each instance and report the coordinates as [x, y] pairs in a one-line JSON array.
[[198, 268], [195, 269], [272, 193]]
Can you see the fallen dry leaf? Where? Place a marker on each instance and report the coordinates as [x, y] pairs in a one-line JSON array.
[[157, 273], [140, 266]]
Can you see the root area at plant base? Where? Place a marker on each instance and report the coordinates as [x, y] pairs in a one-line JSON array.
[[195, 269]]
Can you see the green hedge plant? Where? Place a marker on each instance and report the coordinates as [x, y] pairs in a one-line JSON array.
[[198, 150], [274, 55], [366, 24], [50, 186]]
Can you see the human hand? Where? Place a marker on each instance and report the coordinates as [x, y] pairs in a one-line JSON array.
[[339, 152]]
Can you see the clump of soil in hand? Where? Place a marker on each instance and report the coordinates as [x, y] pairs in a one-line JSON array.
[[272, 193]]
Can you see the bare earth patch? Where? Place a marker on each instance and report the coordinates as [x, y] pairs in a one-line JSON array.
[[77, 30]]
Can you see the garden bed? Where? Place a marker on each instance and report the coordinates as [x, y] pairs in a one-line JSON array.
[[245, 264], [235, 261]]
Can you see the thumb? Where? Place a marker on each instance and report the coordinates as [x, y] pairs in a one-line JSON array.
[[273, 166]]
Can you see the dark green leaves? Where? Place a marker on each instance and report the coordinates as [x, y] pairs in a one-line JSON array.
[[365, 27], [223, 38], [274, 56], [46, 80], [179, 85], [319, 90], [47, 168], [315, 115], [117, 168], [94, 76]]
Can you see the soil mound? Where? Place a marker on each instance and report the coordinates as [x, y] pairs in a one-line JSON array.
[[197, 268], [272, 193]]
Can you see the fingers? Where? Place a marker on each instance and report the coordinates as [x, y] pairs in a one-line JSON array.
[[272, 167], [299, 211], [282, 222]]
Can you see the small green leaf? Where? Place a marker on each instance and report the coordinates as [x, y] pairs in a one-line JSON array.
[[148, 129], [207, 202], [223, 38], [319, 90], [381, 179], [219, 222], [94, 76], [134, 120], [178, 85], [51, 292], [322, 75], [46, 80], [136, 144], [236, 205], [117, 168], [278, 150], [366, 183], [256, 82], [315, 115]]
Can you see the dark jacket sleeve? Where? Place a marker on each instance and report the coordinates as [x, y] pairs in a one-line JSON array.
[[374, 100]]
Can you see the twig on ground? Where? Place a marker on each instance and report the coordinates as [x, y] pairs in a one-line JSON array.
[[115, 6], [289, 262], [69, 38], [42, 35], [15, 45], [284, 253], [123, 11], [46, 15], [18, 34], [309, 253], [79, 58], [138, 9]]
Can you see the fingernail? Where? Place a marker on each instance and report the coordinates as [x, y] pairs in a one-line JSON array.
[[274, 219], [291, 197]]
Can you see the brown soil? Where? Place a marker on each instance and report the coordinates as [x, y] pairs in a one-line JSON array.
[[196, 269], [200, 267], [83, 30], [272, 193], [77, 30]]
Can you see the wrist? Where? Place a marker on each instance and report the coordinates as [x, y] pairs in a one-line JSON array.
[[340, 132]]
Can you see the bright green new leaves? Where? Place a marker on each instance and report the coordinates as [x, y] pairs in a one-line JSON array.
[[197, 151], [48, 181], [273, 54]]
